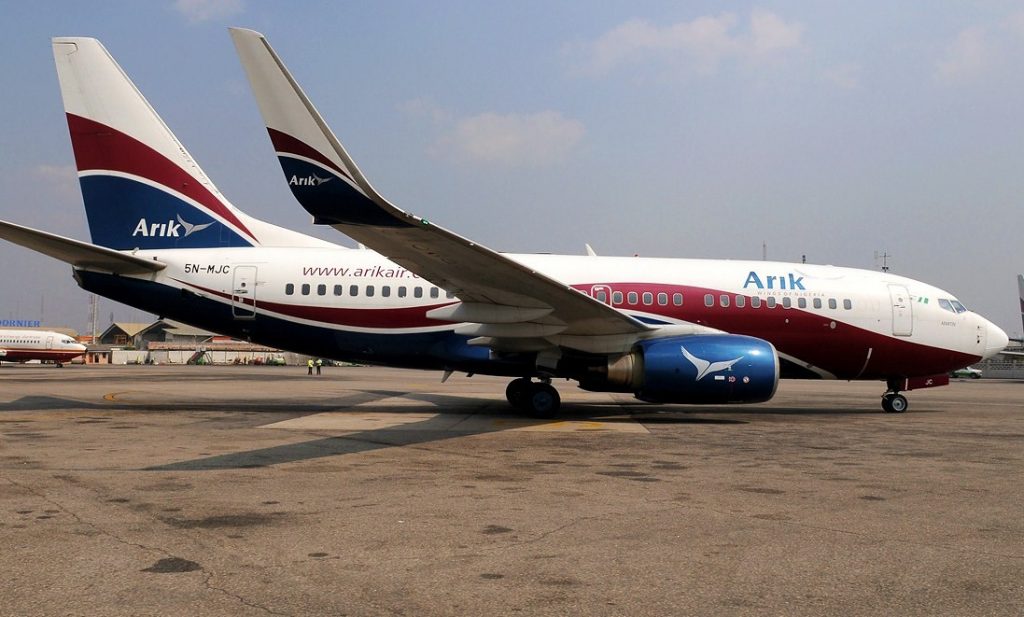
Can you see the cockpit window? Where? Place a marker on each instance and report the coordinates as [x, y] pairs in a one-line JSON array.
[[953, 306]]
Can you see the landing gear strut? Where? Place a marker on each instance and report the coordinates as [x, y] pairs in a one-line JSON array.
[[537, 399], [893, 401]]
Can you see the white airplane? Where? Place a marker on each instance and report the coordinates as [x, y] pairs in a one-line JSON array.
[[666, 330], [46, 345]]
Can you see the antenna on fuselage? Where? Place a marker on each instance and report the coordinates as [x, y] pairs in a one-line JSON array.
[[884, 257]]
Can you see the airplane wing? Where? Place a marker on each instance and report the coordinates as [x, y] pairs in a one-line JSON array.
[[511, 300], [79, 254]]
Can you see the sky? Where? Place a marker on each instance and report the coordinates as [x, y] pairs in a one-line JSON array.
[[838, 131]]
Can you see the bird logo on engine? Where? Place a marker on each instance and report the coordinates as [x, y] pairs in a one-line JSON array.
[[704, 367]]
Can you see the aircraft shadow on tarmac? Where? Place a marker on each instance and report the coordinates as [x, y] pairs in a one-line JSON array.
[[438, 427]]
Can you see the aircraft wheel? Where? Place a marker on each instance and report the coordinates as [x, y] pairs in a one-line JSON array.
[[894, 403], [542, 401], [516, 392]]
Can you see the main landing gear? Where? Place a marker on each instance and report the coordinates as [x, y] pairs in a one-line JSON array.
[[892, 400], [538, 399]]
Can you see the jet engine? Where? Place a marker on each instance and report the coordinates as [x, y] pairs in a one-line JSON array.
[[698, 369]]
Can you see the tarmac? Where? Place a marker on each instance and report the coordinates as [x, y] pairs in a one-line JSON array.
[[244, 490]]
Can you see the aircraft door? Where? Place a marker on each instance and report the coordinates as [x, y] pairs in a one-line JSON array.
[[902, 311], [243, 293], [49, 342]]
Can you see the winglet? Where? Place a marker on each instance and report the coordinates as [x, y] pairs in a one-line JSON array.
[[320, 173]]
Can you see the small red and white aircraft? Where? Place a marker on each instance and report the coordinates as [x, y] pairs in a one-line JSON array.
[[45, 345], [666, 330]]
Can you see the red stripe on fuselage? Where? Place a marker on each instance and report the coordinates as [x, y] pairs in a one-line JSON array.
[[841, 350], [100, 147], [19, 355]]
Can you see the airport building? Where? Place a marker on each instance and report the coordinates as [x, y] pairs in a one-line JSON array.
[[169, 342]]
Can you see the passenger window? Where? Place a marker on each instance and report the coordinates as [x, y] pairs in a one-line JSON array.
[[648, 298], [632, 297], [369, 291], [417, 292], [401, 292], [435, 292], [709, 300], [602, 296], [772, 302], [832, 304], [817, 303], [616, 297], [385, 291], [321, 290], [755, 302], [338, 290], [847, 304], [677, 299], [801, 302], [787, 302], [289, 289], [305, 289], [741, 301], [353, 290], [663, 299]]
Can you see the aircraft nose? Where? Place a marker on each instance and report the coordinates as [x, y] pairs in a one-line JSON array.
[[995, 340]]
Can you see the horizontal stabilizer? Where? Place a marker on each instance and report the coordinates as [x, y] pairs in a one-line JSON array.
[[78, 254]]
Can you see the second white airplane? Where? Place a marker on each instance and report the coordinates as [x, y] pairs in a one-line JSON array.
[[44, 345], [666, 330]]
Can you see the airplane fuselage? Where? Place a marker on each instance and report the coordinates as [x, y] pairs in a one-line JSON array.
[[45, 345], [825, 321]]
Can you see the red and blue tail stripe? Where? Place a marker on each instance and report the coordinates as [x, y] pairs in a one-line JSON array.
[[136, 197], [324, 189]]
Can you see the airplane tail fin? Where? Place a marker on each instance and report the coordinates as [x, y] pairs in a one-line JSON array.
[[140, 186], [320, 173]]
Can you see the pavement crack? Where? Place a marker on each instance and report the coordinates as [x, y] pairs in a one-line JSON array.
[[208, 583], [207, 574], [78, 519]]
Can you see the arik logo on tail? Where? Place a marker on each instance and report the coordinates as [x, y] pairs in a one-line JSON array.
[[310, 180], [706, 368], [170, 229]]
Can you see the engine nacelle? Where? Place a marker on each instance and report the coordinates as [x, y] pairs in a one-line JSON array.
[[698, 369]]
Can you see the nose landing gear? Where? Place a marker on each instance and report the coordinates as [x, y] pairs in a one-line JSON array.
[[538, 399], [892, 400]]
